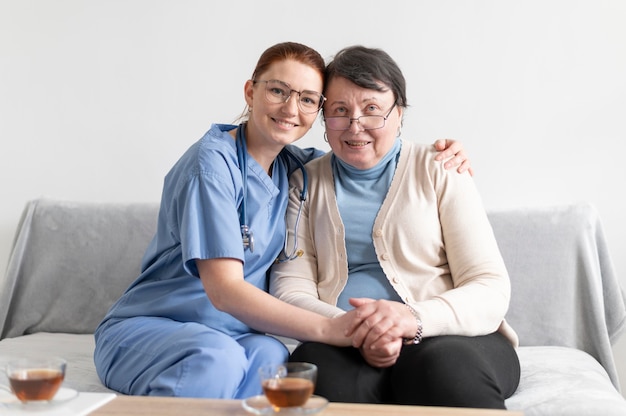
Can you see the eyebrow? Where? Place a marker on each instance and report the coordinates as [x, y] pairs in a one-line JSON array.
[[364, 101], [288, 85]]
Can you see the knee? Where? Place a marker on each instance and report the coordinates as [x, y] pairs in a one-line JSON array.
[[443, 353], [203, 372], [451, 373], [263, 348]]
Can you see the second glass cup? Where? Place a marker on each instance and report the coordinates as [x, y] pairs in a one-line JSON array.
[[288, 384], [36, 379]]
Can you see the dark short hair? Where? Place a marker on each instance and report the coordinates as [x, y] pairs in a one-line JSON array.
[[368, 68]]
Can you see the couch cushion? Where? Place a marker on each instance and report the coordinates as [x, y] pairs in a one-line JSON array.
[[560, 381], [77, 349], [555, 381]]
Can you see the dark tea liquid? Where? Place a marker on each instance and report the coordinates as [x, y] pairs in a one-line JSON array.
[[36, 384], [288, 392]]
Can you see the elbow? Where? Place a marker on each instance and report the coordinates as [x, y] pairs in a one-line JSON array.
[[218, 302]]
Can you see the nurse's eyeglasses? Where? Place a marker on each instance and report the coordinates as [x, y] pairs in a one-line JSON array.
[[277, 92]]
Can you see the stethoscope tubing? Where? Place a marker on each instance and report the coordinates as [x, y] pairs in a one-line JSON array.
[[246, 232]]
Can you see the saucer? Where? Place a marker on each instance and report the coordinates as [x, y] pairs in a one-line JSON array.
[[260, 406], [64, 394]]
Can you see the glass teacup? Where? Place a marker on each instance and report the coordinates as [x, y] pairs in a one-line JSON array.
[[36, 379], [288, 384]]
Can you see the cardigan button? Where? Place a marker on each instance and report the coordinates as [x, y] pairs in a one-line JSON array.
[[378, 233], [385, 256]]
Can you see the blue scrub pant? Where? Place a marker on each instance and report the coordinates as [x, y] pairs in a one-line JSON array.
[[161, 357]]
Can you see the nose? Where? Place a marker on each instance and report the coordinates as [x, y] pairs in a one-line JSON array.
[[355, 126], [291, 105]]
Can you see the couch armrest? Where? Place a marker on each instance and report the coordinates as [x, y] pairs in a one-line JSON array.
[[564, 291]]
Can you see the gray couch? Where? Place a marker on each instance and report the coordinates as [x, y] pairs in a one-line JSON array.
[[71, 260]]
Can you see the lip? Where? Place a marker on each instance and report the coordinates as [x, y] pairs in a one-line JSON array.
[[356, 144], [284, 124]]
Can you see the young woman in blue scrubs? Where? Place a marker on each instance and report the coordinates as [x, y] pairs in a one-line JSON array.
[[193, 324]]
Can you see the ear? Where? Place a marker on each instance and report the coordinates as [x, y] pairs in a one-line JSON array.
[[248, 92], [400, 118], [400, 112]]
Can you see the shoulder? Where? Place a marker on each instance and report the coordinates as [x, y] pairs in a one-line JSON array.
[[304, 155], [320, 167], [322, 160], [418, 153], [418, 149], [214, 154], [218, 140], [417, 161], [215, 150], [318, 172]]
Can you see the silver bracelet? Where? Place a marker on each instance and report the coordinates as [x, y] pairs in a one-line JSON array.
[[418, 334]]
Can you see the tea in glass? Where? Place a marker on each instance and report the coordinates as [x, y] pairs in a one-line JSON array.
[[35, 379], [288, 384]]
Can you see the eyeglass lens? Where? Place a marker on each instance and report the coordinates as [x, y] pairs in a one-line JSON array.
[[278, 92], [372, 122], [366, 122]]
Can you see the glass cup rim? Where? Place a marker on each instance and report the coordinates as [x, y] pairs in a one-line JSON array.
[[291, 366], [28, 363]]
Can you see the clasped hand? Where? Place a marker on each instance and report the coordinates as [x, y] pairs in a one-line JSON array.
[[377, 329]]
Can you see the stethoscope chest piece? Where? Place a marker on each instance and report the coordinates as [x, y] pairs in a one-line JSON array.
[[247, 237]]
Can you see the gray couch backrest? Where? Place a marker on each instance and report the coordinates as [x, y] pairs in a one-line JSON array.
[[72, 260]]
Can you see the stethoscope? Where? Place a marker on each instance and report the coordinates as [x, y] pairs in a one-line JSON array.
[[246, 233]]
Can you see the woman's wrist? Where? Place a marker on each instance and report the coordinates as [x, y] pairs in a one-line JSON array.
[[417, 338]]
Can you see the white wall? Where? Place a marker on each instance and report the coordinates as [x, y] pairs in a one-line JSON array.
[[99, 98]]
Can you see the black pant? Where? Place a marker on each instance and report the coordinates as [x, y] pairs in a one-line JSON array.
[[454, 371]]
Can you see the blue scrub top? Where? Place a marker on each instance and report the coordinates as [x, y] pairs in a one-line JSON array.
[[199, 219]]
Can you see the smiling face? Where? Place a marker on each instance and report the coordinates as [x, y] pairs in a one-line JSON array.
[[356, 146], [273, 125]]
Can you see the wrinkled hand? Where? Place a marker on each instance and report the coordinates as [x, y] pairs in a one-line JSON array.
[[378, 329], [383, 357], [379, 322], [453, 149]]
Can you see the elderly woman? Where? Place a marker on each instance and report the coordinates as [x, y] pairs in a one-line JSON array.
[[387, 231]]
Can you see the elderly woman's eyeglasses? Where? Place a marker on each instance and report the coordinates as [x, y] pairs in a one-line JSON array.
[[278, 92], [366, 122]]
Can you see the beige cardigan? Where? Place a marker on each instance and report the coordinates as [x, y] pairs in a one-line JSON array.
[[432, 237]]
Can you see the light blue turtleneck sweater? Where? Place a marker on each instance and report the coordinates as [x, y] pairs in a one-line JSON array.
[[360, 193]]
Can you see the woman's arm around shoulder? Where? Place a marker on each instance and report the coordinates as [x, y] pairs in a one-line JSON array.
[[453, 151]]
